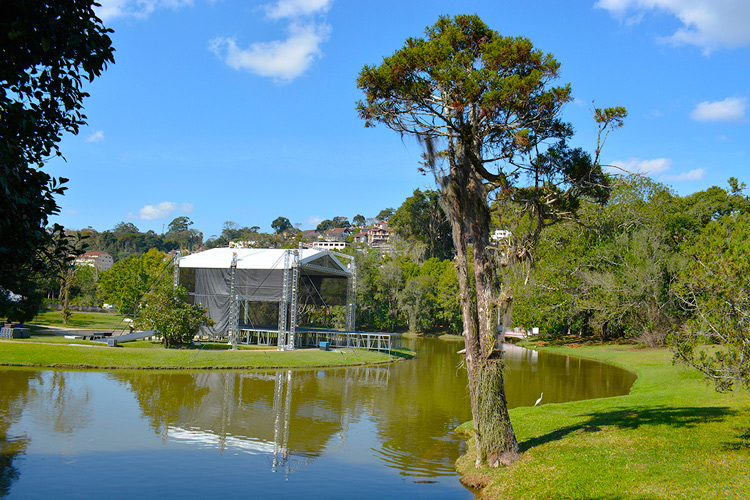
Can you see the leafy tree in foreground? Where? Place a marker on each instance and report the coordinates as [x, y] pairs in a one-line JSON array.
[[47, 50], [716, 286], [167, 312], [129, 280], [483, 107]]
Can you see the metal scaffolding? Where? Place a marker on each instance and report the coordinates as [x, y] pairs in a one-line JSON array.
[[351, 297], [288, 304], [234, 305]]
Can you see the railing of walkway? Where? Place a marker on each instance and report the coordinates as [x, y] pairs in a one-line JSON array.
[[312, 338]]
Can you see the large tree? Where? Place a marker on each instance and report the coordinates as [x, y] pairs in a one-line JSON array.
[[180, 232], [281, 224], [483, 106], [47, 50]]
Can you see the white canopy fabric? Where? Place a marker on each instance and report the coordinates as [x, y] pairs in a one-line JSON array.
[[255, 258]]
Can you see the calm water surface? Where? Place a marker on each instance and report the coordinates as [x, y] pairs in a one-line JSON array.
[[376, 432]]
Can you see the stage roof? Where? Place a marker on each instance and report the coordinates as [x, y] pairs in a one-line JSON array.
[[260, 258]]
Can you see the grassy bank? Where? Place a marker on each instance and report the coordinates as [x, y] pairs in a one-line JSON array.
[[672, 437], [79, 354]]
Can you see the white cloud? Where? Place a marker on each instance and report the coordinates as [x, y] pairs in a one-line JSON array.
[[656, 168], [282, 60], [285, 59], [313, 221], [296, 8], [97, 136], [708, 24], [648, 167], [692, 175], [161, 210], [731, 109], [111, 9]]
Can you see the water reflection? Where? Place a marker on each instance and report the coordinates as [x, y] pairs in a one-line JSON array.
[[561, 378], [384, 426], [13, 393], [282, 413]]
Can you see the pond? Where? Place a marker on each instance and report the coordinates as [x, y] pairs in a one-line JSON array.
[[379, 431]]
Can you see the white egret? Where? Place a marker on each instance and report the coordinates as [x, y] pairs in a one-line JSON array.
[[539, 400]]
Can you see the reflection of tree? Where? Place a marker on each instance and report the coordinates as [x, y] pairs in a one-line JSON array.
[[163, 397], [417, 414], [68, 407], [14, 388]]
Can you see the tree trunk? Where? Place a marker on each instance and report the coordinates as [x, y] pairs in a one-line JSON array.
[[65, 295], [468, 213]]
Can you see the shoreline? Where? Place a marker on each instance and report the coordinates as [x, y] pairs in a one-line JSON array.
[[37, 354]]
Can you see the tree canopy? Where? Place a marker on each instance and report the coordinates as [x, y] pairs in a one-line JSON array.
[[48, 50], [281, 224], [129, 280]]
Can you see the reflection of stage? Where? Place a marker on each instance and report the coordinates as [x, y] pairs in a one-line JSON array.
[[230, 439], [199, 438], [290, 416]]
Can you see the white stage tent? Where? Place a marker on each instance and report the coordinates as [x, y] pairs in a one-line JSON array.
[[230, 282]]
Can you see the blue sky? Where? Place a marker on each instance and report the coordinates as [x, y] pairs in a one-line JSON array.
[[244, 111]]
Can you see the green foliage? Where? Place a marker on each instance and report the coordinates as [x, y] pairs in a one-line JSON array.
[[122, 228], [130, 279], [392, 292], [179, 224], [167, 312], [610, 273], [417, 301], [385, 214], [179, 231], [48, 50], [233, 232], [281, 224], [421, 218], [324, 225], [614, 273], [716, 286], [84, 285]]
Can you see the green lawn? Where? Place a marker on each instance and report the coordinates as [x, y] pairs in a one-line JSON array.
[[58, 352], [672, 437], [94, 321], [79, 354]]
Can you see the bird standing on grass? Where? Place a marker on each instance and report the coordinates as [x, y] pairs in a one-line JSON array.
[[539, 400]]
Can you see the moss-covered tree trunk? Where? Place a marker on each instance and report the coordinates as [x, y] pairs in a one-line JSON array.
[[469, 215]]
